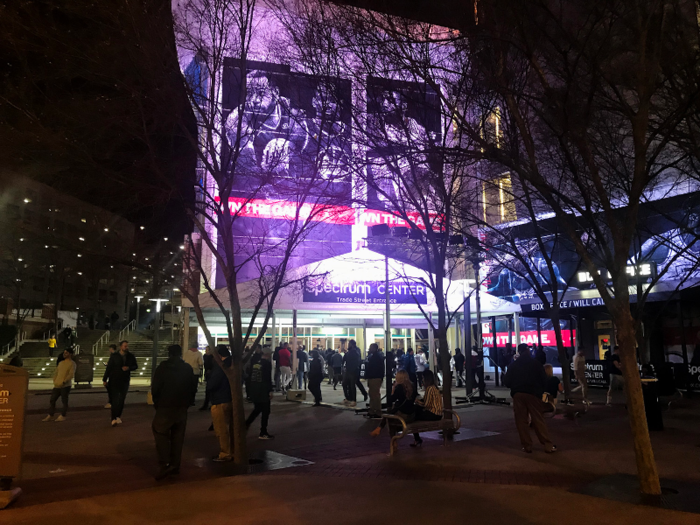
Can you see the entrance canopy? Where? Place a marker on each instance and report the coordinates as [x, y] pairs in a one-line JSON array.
[[354, 284]]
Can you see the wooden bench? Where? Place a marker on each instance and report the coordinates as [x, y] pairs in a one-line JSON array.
[[446, 425]]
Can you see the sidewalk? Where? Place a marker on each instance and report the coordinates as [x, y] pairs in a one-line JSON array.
[[84, 468]]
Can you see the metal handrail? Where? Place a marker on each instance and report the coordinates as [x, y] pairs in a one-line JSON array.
[[127, 329], [7, 349], [104, 339]]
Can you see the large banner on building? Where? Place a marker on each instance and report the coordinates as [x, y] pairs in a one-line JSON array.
[[402, 138], [287, 145]]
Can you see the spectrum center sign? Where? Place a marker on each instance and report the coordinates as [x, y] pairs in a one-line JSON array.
[[364, 292]]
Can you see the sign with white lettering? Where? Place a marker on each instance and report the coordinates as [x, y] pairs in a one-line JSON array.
[[13, 394], [565, 305], [595, 373], [365, 292], [530, 337]]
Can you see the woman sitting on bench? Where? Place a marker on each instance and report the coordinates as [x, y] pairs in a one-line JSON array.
[[400, 401], [430, 407]]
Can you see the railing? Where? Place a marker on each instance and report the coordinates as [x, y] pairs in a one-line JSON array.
[[103, 340], [76, 349], [6, 349], [126, 330], [15, 344]]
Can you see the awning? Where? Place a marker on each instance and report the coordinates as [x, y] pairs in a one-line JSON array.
[[573, 299], [354, 283]]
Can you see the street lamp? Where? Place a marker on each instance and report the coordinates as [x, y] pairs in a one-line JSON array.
[[138, 302], [156, 330]]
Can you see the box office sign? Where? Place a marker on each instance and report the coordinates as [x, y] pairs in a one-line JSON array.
[[13, 395], [364, 292], [596, 373]]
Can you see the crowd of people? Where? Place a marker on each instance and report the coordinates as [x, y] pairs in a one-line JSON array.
[[533, 388]]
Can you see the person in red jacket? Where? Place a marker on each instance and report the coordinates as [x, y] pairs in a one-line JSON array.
[[285, 363]]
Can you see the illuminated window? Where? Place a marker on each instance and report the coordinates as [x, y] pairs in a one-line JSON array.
[[497, 200]]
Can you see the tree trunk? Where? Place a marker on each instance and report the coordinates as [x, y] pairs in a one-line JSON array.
[[238, 436], [561, 352], [644, 454], [445, 368]]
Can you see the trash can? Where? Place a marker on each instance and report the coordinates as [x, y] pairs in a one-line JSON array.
[[652, 407]]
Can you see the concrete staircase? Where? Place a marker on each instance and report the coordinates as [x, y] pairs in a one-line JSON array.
[[39, 365]]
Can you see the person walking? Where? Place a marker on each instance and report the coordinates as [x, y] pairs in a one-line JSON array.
[[208, 363], [351, 361], [194, 358], [527, 381], [375, 375], [172, 392], [459, 366], [352, 347], [302, 367], [261, 392], [477, 371], [68, 336], [284, 361], [580, 374], [219, 390], [52, 344], [117, 377], [316, 377], [617, 382], [337, 367], [62, 381], [328, 354], [421, 363], [409, 366], [112, 349]]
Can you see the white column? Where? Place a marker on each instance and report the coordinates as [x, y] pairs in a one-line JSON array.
[[431, 344], [273, 342], [516, 329]]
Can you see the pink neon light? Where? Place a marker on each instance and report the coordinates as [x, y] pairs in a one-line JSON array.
[[268, 209], [530, 337]]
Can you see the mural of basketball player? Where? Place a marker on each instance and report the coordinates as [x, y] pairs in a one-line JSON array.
[[400, 144], [264, 140], [324, 141]]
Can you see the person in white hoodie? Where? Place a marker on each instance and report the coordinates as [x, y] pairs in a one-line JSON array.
[[62, 381], [421, 363]]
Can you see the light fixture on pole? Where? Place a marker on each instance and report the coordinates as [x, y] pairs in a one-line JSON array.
[[156, 330], [138, 303]]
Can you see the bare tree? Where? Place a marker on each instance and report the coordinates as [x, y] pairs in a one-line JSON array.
[[600, 105], [269, 175]]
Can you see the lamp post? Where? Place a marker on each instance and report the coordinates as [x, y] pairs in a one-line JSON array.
[[138, 303], [156, 327]]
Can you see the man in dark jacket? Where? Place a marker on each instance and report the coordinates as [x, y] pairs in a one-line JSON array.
[[219, 390], [459, 366], [117, 377], [527, 380], [351, 360], [172, 390], [375, 375], [261, 391], [316, 377], [336, 361]]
